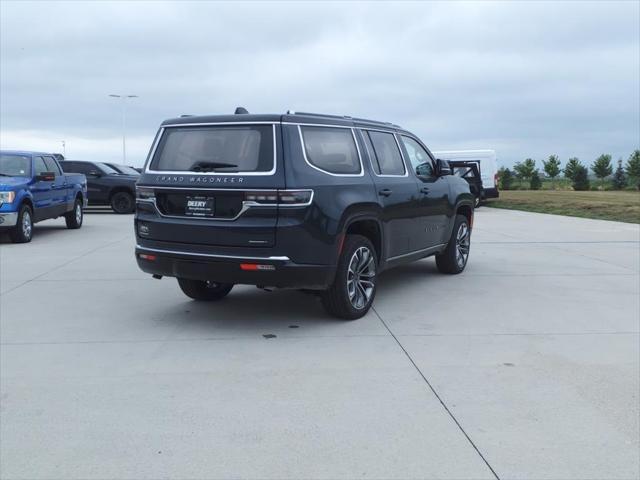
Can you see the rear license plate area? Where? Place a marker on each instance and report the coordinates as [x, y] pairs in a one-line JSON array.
[[200, 206]]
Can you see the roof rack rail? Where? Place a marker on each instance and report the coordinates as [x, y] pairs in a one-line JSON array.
[[326, 115], [344, 117]]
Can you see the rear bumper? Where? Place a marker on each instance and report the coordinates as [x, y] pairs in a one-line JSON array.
[[8, 219], [279, 271], [491, 193]]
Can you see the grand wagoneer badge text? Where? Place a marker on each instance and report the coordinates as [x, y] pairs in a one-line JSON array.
[[198, 179]]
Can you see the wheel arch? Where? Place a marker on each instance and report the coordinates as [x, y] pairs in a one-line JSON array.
[[118, 189], [367, 224]]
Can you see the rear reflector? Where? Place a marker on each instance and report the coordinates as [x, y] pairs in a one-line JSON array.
[[255, 266], [145, 256]]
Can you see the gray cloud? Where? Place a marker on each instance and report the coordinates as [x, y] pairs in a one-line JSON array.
[[525, 78]]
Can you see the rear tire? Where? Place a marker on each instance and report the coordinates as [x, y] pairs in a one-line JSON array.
[[454, 258], [354, 287], [23, 231], [204, 291], [122, 202], [74, 218]]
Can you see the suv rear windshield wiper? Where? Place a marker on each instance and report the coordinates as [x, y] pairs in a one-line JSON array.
[[5, 175], [208, 166]]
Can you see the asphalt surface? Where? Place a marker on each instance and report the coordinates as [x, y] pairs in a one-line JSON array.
[[526, 366]]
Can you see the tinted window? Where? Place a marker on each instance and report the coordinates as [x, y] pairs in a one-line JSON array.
[[39, 166], [123, 169], [331, 149], [52, 165], [224, 149], [15, 165], [418, 156], [77, 167], [387, 153], [105, 168]]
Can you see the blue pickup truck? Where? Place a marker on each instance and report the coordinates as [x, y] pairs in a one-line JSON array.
[[34, 188]]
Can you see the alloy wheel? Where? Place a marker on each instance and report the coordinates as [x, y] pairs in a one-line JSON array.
[[463, 242], [360, 277], [78, 213], [27, 225]]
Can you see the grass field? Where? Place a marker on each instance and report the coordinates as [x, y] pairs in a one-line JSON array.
[[620, 206]]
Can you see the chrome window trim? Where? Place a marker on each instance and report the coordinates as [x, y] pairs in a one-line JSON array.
[[212, 255], [355, 141], [188, 172], [404, 164]]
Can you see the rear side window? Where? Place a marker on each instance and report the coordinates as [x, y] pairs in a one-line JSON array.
[[331, 149], [386, 154], [39, 166], [52, 165], [222, 149]]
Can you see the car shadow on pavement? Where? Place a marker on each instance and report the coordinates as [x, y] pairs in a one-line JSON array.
[[249, 310], [39, 231]]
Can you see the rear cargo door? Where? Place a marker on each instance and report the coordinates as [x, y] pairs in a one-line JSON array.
[[214, 184]]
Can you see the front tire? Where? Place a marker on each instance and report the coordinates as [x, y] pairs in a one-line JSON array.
[[74, 218], [23, 231], [122, 202], [354, 287], [454, 258], [203, 290]]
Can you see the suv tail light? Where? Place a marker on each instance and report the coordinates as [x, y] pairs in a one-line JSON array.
[[285, 198]]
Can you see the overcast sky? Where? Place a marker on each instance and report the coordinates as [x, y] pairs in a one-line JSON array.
[[527, 79]]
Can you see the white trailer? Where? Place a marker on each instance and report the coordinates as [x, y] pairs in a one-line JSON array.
[[487, 164]]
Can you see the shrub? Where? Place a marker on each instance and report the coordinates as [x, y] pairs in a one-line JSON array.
[[581, 179], [505, 178], [570, 169], [633, 169], [535, 182], [619, 178], [602, 167]]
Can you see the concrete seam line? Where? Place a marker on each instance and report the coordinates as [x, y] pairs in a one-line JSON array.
[[433, 390]]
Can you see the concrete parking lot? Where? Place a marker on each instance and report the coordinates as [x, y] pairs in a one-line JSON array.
[[526, 366]]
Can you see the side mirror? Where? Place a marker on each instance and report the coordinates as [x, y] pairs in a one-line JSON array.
[[46, 177], [443, 167], [94, 173]]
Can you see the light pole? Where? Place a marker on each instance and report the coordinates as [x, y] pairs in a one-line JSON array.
[[124, 123]]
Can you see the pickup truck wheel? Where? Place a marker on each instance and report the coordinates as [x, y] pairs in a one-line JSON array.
[[23, 231], [204, 290], [74, 218], [354, 287], [454, 258], [122, 202]]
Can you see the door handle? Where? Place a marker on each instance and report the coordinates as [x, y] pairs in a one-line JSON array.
[[385, 192], [424, 189]]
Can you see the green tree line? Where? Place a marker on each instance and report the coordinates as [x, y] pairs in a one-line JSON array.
[[526, 173]]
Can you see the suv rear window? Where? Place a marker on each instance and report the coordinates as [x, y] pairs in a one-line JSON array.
[[331, 149], [223, 149]]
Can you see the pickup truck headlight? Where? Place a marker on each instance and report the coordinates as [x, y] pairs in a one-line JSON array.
[[7, 197]]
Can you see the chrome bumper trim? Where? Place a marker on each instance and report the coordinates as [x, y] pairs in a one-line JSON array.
[[8, 219], [211, 255]]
